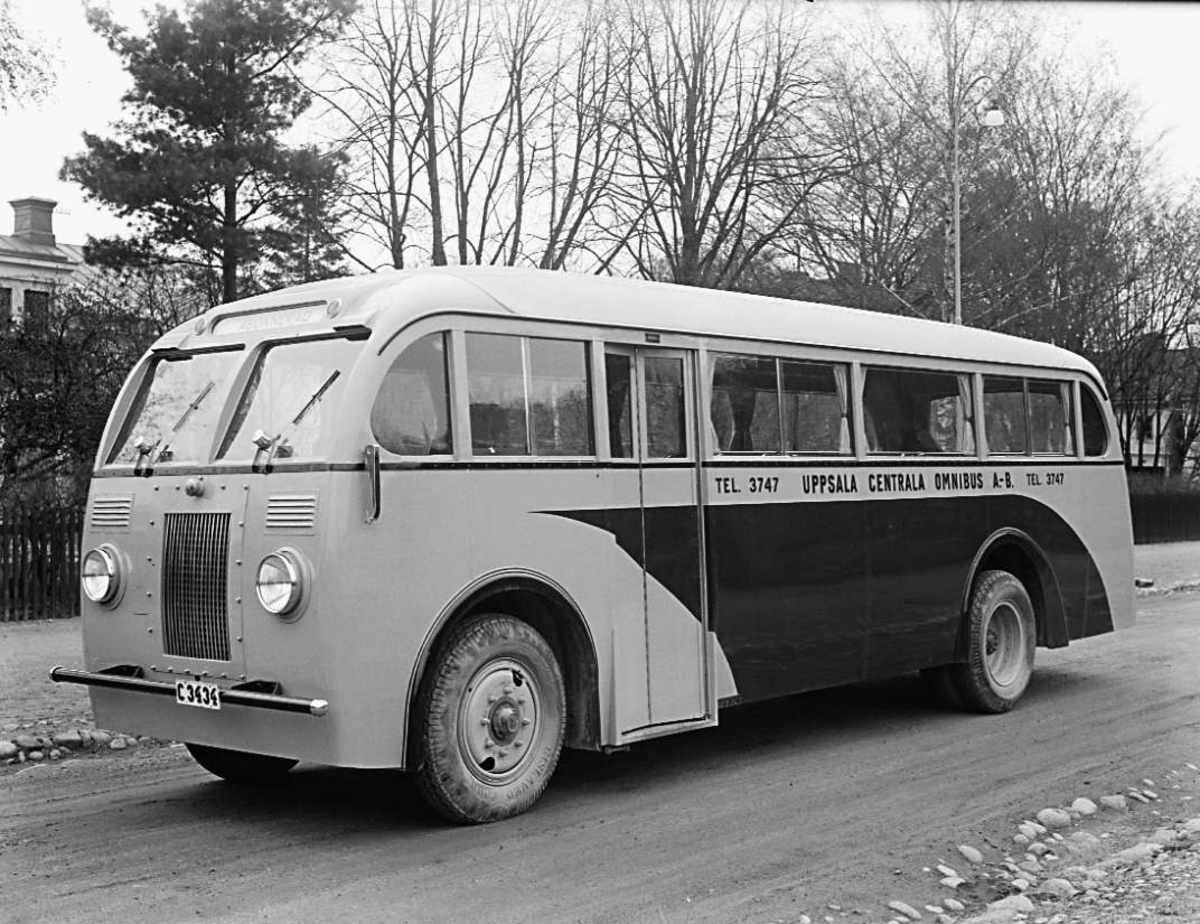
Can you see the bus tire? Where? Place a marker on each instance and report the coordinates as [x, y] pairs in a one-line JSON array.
[[492, 716], [1001, 639], [240, 766]]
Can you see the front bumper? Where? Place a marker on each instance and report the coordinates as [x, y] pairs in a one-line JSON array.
[[131, 679]]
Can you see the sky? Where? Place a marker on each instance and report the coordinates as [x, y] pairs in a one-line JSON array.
[[1152, 43]]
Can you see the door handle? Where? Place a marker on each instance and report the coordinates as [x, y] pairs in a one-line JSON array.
[[374, 488]]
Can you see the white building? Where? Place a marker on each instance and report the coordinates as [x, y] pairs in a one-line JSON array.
[[32, 263]]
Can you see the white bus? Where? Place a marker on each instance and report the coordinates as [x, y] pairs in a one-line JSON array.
[[453, 520]]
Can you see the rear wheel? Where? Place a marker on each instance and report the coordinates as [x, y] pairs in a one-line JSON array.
[[492, 720], [240, 766], [1002, 636]]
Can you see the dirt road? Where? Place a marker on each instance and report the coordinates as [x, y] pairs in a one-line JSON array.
[[841, 796]]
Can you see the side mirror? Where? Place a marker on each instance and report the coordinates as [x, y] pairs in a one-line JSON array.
[[374, 492]]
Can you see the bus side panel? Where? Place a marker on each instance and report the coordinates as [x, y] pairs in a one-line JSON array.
[[787, 595], [810, 594], [920, 552]]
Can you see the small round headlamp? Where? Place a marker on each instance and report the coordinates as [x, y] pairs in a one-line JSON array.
[[280, 582], [101, 575]]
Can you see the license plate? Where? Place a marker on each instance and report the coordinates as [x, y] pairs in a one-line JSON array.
[[194, 693]]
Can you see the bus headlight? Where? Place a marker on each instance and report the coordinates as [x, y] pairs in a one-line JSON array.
[[280, 583], [101, 575]]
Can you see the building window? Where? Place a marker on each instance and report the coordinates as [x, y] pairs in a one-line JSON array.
[[5, 306], [37, 309]]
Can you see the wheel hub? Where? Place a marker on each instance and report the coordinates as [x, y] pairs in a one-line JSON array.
[[498, 720], [1004, 645], [505, 721]]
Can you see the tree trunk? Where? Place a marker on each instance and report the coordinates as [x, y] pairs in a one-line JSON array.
[[229, 245]]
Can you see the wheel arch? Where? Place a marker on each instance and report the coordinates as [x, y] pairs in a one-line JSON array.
[[548, 608], [1014, 551]]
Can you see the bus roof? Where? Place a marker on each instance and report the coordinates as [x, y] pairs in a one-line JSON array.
[[397, 298]]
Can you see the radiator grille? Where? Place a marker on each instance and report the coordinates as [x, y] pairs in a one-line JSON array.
[[291, 513], [111, 512], [195, 563]]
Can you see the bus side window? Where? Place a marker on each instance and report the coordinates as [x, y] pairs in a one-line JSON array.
[[1050, 417], [518, 384], [411, 414], [560, 398], [916, 411], [496, 392], [1095, 432], [816, 407], [745, 403], [618, 375], [666, 416], [1004, 414]]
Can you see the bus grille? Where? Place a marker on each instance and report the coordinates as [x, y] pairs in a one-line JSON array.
[[195, 562]]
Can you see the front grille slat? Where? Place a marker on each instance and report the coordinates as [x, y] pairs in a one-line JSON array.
[[194, 585]]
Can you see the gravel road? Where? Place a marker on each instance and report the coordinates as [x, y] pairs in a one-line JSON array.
[[823, 806]]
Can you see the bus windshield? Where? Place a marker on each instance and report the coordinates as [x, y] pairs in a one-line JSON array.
[[176, 414], [291, 400]]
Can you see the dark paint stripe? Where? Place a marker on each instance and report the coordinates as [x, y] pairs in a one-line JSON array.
[[810, 595]]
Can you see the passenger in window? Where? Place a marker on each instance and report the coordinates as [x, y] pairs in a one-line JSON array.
[[919, 438]]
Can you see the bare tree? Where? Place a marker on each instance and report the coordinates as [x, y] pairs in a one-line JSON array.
[[369, 89], [25, 64], [712, 90]]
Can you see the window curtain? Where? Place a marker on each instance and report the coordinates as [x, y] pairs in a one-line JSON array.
[[841, 378], [1064, 390], [965, 422]]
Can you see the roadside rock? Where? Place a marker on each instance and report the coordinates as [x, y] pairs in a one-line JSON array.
[[1059, 888], [1084, 806], [7, 750], [1135, 854], [118, 744], [907, 910], [1004, 911], [70, 738], [1116, 803], [1054, 818], [970, 853]]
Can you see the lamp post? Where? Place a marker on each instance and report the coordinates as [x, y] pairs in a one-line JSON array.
[[993, 116]]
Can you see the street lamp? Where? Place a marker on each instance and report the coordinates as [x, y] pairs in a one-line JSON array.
[[993, 116]]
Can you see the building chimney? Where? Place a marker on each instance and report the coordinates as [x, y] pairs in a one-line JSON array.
[[33, 220]]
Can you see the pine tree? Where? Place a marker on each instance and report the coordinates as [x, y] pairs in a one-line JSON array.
[[197, 162]]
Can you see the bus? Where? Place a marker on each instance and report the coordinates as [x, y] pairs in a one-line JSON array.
[[454, 520]]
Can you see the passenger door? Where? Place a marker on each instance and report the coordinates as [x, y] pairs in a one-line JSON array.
[[660, 433]]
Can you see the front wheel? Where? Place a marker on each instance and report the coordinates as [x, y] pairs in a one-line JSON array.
[[1002, 639], [240, 766], [492, 721]]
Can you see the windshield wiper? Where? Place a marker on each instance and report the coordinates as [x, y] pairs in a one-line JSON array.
[[278, 443], [165, 453]]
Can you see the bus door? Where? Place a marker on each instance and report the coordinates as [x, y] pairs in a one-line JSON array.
[[659, 405]]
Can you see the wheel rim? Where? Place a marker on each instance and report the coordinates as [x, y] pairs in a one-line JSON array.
[[1004, 645], [499, 723]]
